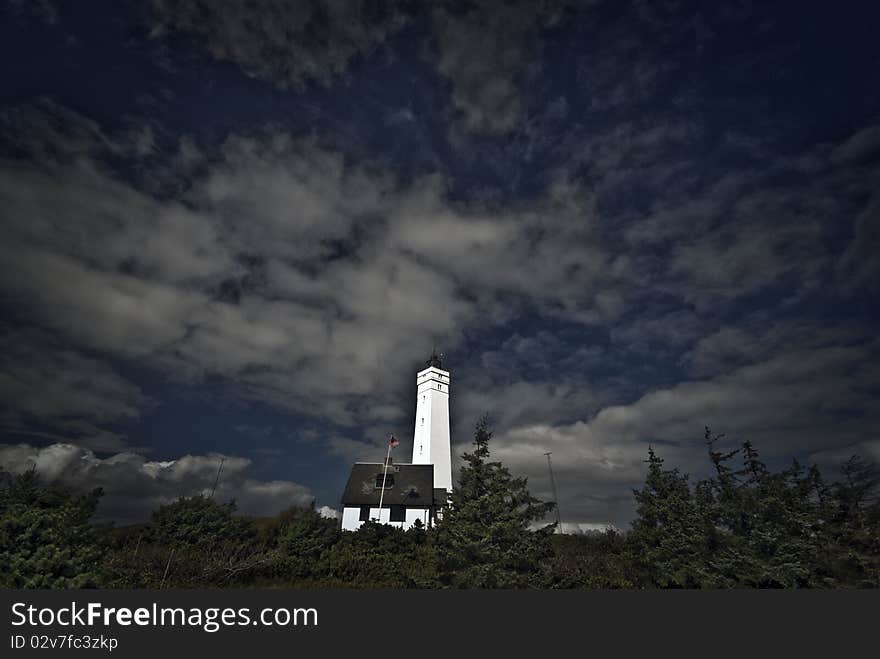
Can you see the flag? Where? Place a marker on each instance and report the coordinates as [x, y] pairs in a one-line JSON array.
[[394, 443]]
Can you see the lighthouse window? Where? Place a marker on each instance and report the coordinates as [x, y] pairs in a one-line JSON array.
[[423, 420], [398, 514], [365, 513]]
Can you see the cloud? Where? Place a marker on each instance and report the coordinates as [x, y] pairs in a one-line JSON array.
[[486, 50], [837, 456], [285, 43], [327, 511], [811, 402], [637, 48], [858, 267], [713, 240], [489, 52], [43, 10], [67, 393], [719, 351], [333, 282], [586, 528], [659, 331], [859, 146], [134, 486]]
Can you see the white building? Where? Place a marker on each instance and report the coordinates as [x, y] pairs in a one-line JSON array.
[[415, 490]]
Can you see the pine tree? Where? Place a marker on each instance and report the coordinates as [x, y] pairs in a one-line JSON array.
[[193, 542], [485, 539], [853, 529], [46, 539], [670, 538], [301, 539]]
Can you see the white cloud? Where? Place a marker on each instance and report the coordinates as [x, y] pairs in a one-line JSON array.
[[811, 402], [134, 486], [327, 511], [586, 528], [239, 277]]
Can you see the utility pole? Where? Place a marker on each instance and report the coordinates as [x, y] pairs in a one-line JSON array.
[[555, 493]]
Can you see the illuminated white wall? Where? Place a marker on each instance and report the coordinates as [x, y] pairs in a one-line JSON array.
[[431, 440], [351, 517]]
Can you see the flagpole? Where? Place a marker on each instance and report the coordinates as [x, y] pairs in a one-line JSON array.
[[384, 476]]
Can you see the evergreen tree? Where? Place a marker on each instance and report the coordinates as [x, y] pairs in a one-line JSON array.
[[592, 560], [198, 523], [853, 529], [380, 556], [769, 524], [193, 542], [301, 539], [484, 538], [755, 528], [46, 540], [670, 537]]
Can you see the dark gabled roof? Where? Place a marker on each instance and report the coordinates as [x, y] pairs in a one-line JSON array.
[[413, 485]]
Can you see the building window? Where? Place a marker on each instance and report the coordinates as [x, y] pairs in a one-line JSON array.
[[365, 514], [389, 481], [423, 420], [398, 514]]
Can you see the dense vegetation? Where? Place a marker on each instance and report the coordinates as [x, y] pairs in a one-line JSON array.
[[744, 527]]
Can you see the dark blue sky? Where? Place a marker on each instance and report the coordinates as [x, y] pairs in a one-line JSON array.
[[238, 231]]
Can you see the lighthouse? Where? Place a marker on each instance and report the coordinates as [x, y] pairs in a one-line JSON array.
[[431, 441], [399, 493]]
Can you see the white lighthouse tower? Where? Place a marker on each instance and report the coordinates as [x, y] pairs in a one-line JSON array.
[[431, 441]]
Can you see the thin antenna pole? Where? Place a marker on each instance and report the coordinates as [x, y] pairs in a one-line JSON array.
[[167, 567], [555, 493], [384, 476], [137, 546], [217, 479]]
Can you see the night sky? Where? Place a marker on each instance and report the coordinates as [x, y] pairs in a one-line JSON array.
[[237, 229]]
